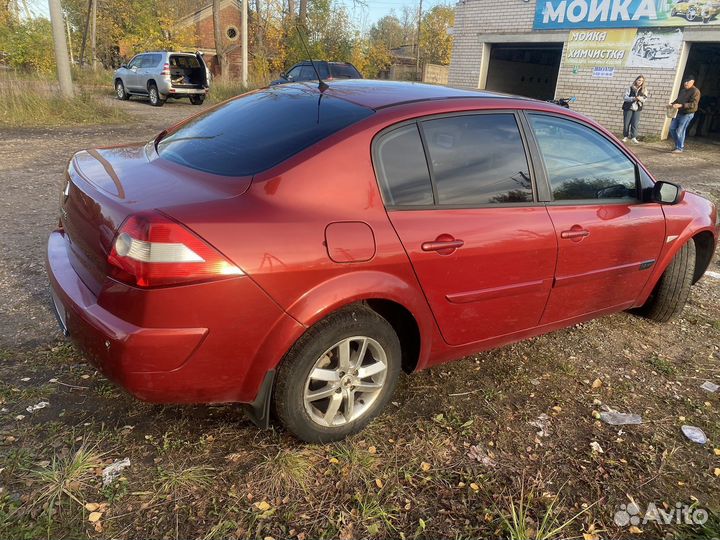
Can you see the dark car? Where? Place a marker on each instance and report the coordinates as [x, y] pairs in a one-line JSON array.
[[328, 71], [300, 249]]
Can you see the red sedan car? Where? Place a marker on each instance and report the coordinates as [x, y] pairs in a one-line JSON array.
[[293, 250]]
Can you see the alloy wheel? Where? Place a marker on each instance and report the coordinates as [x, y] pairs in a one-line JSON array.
[[345, 381], [119, 90]]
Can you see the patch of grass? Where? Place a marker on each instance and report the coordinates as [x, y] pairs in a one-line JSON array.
[[185, 480], [355, 462], [373, 515], [37, 102], [65, 478], [519, 523], [283, 473], [661, 365], [220, 90]]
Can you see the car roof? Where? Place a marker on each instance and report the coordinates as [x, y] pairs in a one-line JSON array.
[[376, 94]]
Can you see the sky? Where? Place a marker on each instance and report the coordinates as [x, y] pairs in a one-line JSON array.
[[362, 12]]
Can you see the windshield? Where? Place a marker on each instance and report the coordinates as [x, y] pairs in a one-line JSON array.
[[254, 132]]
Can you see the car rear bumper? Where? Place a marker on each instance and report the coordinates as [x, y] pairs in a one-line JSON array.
[[225, 360], [122, 351]]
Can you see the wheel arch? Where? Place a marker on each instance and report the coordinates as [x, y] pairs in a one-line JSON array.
[[704, 235], [400, 302], [704, 249]]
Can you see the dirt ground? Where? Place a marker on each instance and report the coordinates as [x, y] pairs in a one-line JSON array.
[[501, 443]]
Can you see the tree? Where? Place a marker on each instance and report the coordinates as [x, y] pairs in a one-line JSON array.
[[61, 53], [219, 47], [435, 42], [387, 32]]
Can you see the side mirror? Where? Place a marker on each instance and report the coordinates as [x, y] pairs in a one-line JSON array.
[[123, 66], [283, 75], [667, 193]]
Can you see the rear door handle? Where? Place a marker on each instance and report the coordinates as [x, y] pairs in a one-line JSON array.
[[444, 247], [576, 232]]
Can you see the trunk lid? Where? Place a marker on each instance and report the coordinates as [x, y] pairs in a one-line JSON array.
[[106, 185]]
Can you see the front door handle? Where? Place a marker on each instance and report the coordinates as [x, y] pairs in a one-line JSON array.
[[575, 233], [444, 244]]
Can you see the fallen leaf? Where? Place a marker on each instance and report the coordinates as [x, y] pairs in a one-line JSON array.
[[372, 450], [425, 466], [94, 516], [716, 451], [590, 536], [635, 530], [91, 507], [474, 487], [596, 448], [263, 506], [597, 383], [717, 471], [378, 483], [334, 460], [557, 408]]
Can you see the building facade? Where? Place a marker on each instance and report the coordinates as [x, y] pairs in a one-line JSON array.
[[593, 50], [201, 22]]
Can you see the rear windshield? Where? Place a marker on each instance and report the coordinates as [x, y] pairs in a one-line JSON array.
[[252, 133], [184, 61], [344, 71]]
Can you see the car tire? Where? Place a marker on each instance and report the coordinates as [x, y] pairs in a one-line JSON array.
[[156, 99], [197, 99], [343, 409], [120, 91], [672, 290]]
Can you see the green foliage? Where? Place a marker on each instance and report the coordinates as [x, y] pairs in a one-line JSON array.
[[435, 42], [28, 44]]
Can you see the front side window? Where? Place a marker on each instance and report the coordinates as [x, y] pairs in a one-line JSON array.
[[582, 164], [478, 159], [344, 71], [307, 73], [135, 62], [402, 168], [294, 73]]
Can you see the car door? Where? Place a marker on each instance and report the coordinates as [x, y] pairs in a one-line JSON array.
[[131, 72], [146, 70], [481, 245], [608, 238]]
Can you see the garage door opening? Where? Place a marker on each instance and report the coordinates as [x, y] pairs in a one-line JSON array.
[[525, 69], [704, 62]]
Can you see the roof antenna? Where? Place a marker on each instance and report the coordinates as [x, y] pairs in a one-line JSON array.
[[322, 85]]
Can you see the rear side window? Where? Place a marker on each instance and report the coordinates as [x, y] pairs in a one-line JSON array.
[[256, 131], [402, 169], [344, 71], [582, 164], [151, 60], [478, 159]]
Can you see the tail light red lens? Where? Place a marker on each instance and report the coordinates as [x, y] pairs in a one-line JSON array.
[[152, 250], [165, 70]]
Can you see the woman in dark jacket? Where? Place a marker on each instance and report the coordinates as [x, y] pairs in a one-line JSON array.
[[633, 102]]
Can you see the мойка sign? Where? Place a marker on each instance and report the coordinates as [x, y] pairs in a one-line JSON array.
[[558, 14]]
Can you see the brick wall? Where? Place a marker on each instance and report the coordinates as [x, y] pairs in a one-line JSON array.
[[598, 98], [475, 17], [202, 23], [601, 99]]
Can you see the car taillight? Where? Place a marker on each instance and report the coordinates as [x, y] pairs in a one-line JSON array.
[[152, 250], [165, 70]]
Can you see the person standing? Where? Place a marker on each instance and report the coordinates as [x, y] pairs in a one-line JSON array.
[[633, 101], [686, 104]]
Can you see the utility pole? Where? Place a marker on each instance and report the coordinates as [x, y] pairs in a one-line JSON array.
[[61, 52], [93, 35], [69, 38], [417, 63], [244, 38]]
